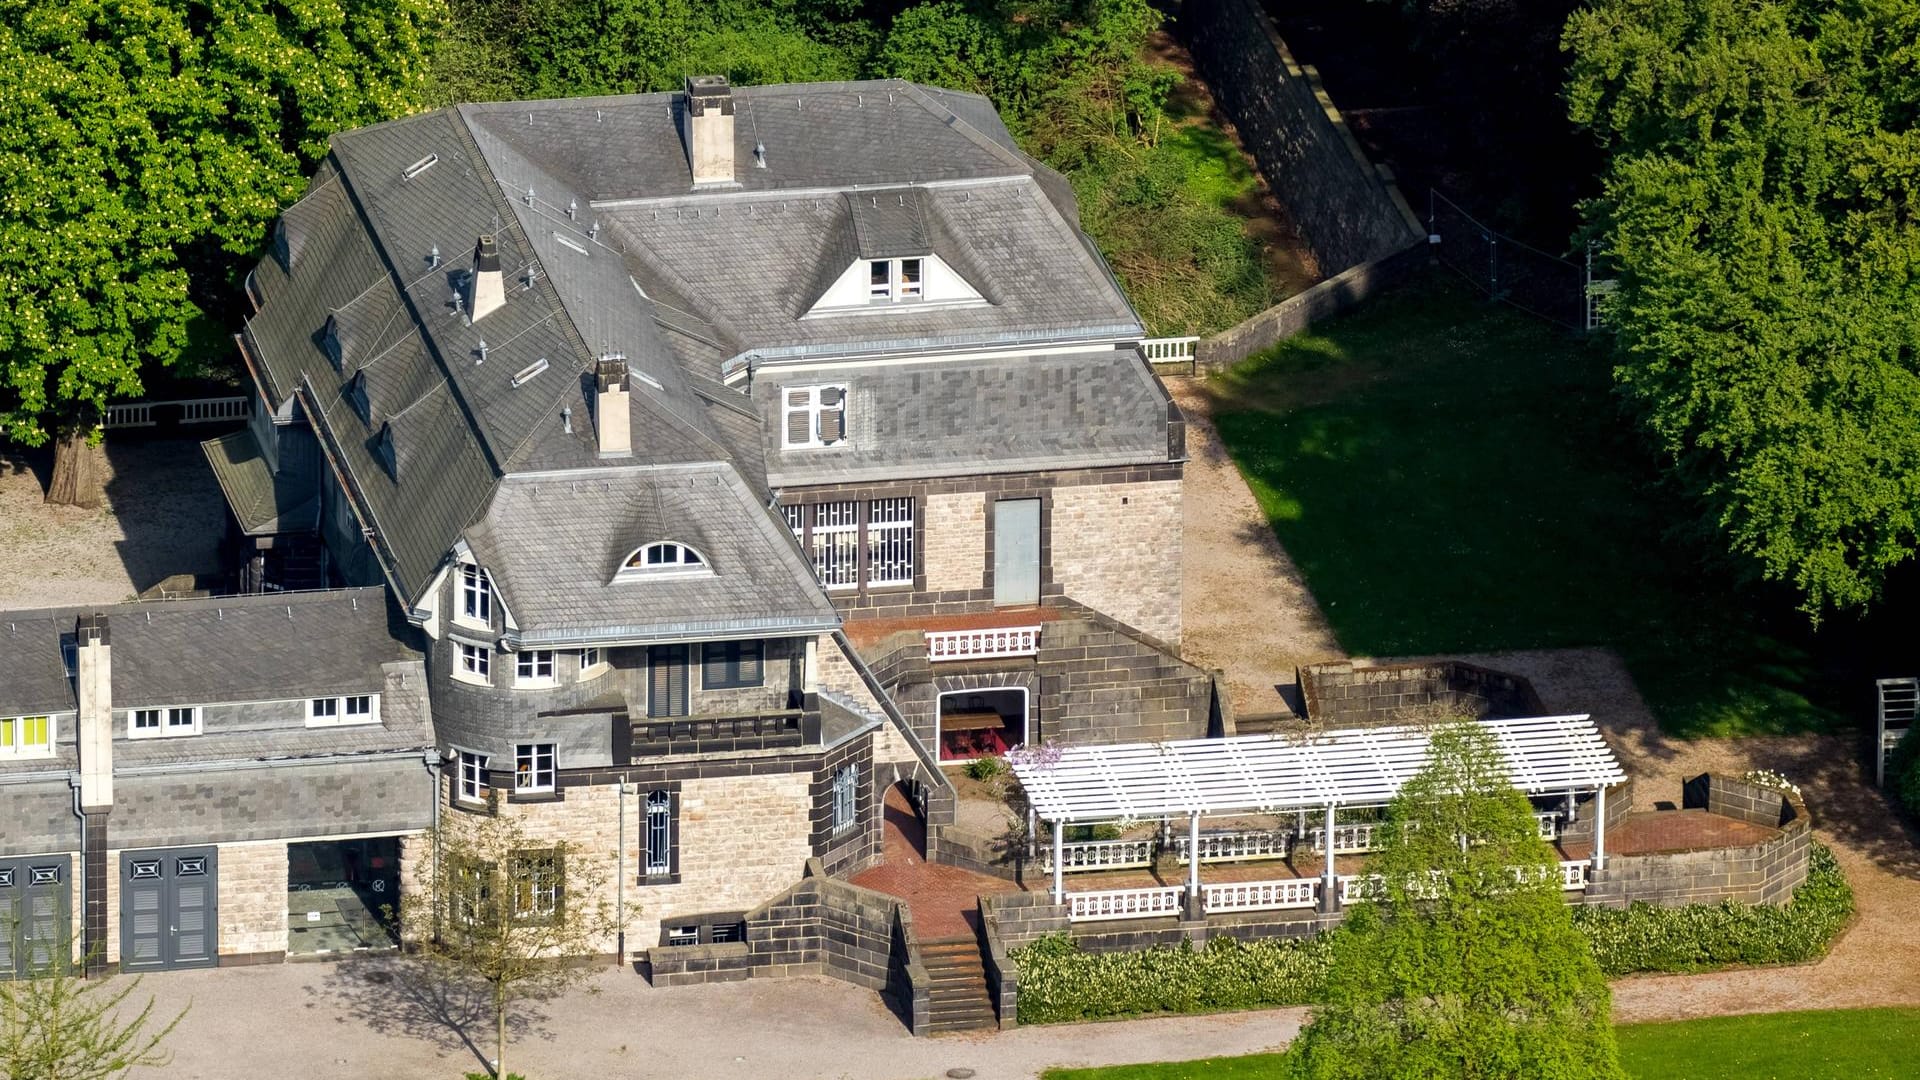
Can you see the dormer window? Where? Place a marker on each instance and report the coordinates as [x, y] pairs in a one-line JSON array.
[[665, 558], [894, 279], [476, 597], [815, 416]]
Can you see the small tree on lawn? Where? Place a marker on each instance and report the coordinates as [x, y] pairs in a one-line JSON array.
[[510, 911], [57, 1025], [1467, 965]]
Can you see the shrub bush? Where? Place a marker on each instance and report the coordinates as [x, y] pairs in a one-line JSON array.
[[1648, 938], [1903, 771], [985, 768], [1059, 981]]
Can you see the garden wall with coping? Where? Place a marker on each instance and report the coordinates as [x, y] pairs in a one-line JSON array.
[[1299, 312], [1762, 873], [1344, 694]]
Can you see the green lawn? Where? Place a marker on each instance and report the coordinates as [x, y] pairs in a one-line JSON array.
[[1453, 476], [1857, 1044]]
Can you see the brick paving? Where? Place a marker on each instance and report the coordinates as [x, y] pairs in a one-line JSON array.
[[1664, 831], [944, 900]]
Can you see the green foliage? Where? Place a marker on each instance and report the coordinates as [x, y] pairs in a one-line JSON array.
[[1060, 982], [1903, 768], [1248, 1067], [1483, 427], [1705, 936], [986, 768], [1762, 201], [1470, 965], [144, 148], [1834, 1044], [580, 47], [62, 1026]]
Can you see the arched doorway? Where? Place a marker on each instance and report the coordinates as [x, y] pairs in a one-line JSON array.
[[904, 830]]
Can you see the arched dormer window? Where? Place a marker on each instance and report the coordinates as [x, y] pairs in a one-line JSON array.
[[662, 558]]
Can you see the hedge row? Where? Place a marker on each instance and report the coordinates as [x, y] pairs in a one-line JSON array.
[[1647, 938], [1059, 981], [1903, 771]]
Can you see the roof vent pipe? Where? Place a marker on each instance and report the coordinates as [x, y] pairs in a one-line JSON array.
[[488, 289], [708, 131], [759, 155]]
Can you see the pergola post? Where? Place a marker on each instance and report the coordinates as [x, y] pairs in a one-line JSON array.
[[1193, 855], [1329, 884], [1033, 826], [1059, 861], [1600, 828]]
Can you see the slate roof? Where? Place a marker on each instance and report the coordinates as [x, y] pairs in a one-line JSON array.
[[263, 501], [555, 544], [605, 249]]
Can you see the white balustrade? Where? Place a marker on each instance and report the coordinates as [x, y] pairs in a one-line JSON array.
[[1261, 895], [1347, 839], [1573, 874], [1169, 350], [1123, 904], [1549, 825], [1100, 855], [122, 416], [1236, 846], [210, 410], [982, 644]]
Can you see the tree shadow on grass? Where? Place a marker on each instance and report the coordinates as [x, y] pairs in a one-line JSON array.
[[406, 997]]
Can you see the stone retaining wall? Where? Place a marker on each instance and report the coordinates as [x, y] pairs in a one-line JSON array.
[[1298, 313], [1762, 873], [1343, 694]]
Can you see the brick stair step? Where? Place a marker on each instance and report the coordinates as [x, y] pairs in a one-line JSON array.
[[982, 1011]]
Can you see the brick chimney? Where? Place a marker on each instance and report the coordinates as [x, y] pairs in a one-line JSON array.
[[709, 129], [93, 686], [486, 291], [611, 419]]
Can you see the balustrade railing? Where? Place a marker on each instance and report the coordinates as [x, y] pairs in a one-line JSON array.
[[982, 644], [1550, 827], [1123, 904], [1099, 855], [1169, 350], [194, 411], [1236, 846], [1261, 895], [1347, 839], [700, 734]]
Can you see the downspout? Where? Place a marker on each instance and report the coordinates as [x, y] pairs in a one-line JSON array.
[[73, 779], [434, 762], [620, 880]]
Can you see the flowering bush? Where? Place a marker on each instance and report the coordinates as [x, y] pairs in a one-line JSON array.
[[1769, 779], [1059, 981], [1043, 757]]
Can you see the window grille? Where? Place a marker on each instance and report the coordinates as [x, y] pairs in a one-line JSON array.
[[890, 542], [846, 784], [536, 885], [659, 853], [836, 544]]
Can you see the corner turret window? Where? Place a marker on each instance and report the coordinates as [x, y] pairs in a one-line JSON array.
[[665, 558], [476, 597]]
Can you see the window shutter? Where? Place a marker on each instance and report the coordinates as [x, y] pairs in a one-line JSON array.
[[749, 665], [668, 674], [797, 433], [833, 414], [714, 661]]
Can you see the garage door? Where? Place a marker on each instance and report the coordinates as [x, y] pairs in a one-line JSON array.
[[36, 903], [169, 914]]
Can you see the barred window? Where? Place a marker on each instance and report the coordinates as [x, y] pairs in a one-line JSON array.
[[857, 543], [537, 877], [659, 833], [846, 787]]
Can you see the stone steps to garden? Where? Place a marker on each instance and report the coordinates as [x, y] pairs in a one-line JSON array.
[[957, 996]]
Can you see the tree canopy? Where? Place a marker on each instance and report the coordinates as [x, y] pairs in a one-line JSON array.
[[145, 146], [1762, 201], [1468, 965]]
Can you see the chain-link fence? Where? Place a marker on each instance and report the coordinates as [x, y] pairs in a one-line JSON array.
[[1508, 270]]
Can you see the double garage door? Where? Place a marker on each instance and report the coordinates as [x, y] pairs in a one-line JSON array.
[[169, 916], [36, 902]]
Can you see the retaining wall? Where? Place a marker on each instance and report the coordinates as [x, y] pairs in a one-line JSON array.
[[1762, 873], [1342, 694], [1299, 312]]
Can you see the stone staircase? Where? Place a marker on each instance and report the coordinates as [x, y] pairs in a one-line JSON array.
[[957, 999]]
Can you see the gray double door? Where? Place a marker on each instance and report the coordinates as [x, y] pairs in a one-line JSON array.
[[36, 905], [169, 912]]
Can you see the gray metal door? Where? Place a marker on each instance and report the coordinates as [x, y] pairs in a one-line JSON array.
[[1016, 552], [36, 905], [169, 915]]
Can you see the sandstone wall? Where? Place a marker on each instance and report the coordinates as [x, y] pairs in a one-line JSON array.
[[1117, 549], [956, 541]]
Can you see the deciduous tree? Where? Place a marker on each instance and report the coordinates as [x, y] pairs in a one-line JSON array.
[[145, 145], [60, 1026], [1467, 965], [1762, 201]]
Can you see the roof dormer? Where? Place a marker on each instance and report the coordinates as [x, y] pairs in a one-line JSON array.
[[888, 254]]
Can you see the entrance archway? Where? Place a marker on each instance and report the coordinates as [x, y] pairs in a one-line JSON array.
[[904, 836]]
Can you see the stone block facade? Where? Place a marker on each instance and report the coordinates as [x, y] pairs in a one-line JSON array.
[[956, 541], [1345, 694], [1763, 873], [1116, 549], [253, 900], [1101, 684]]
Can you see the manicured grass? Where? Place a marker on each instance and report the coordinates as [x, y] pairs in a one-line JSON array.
[[1252, 1067], [1453, 476], [1850, 1044]]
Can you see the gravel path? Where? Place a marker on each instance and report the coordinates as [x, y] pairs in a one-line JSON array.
[[1245, 608], [163, 515], [1877, 960]]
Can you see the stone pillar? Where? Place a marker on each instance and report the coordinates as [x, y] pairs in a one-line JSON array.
[[93, 691]]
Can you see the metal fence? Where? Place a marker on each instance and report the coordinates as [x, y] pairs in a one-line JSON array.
[[1507, 270]]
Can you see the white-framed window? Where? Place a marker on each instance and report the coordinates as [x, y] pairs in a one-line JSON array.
[[895, 279], [476, 597], [664, 558], [338, 711], [533, 667], [533, 767], [846, 797], [474, 663], [163, 723], [833, 534], [471, 783], [593, 663], [813, 416], [26, 736], [536, 884]]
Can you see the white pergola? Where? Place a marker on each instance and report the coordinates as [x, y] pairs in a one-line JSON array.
[[1271, 774]]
